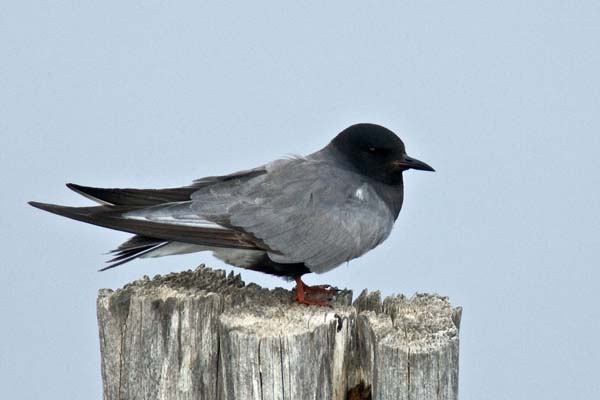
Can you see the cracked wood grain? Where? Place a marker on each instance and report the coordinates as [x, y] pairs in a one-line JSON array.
[[206, 335]]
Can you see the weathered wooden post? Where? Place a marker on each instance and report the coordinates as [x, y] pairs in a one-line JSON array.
[[204, 335]]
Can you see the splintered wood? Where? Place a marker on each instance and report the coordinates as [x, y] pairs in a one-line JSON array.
[[205, 335]]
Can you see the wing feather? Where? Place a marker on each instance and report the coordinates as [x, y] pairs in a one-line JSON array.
[[305, 210], [113, 217]]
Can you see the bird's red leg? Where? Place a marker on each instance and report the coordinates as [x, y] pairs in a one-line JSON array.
[[302, 289]]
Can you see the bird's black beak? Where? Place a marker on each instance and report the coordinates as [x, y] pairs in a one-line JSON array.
[[412, 163]]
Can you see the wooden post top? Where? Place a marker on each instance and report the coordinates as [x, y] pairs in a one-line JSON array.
[[206, 334]]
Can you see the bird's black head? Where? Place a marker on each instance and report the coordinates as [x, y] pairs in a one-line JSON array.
[[376, 152]]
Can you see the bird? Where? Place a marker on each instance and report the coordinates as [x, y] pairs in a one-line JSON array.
[[292, 216]]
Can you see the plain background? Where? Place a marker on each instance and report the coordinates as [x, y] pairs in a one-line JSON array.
[[502, 98]]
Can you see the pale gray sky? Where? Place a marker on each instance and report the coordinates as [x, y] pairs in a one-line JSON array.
[[502, 98]]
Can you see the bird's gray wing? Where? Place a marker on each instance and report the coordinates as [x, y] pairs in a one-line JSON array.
[[153, 197], [306, 211]]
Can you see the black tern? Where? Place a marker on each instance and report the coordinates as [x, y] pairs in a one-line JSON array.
[[287, 218]]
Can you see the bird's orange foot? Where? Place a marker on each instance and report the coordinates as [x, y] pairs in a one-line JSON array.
[[312, 301], [321, 289], [303, 289]]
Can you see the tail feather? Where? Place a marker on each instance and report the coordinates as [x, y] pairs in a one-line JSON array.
[[136, 242], [128, 253], [125, 258]]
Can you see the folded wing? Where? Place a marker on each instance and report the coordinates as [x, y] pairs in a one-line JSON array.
[[304, 211]]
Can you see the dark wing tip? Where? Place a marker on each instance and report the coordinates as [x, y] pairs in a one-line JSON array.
[[85, 191], [78, 213], [79, 188], [44, 206]]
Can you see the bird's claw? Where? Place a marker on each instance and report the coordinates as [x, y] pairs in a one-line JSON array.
[[302, 289], [321, 289]]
